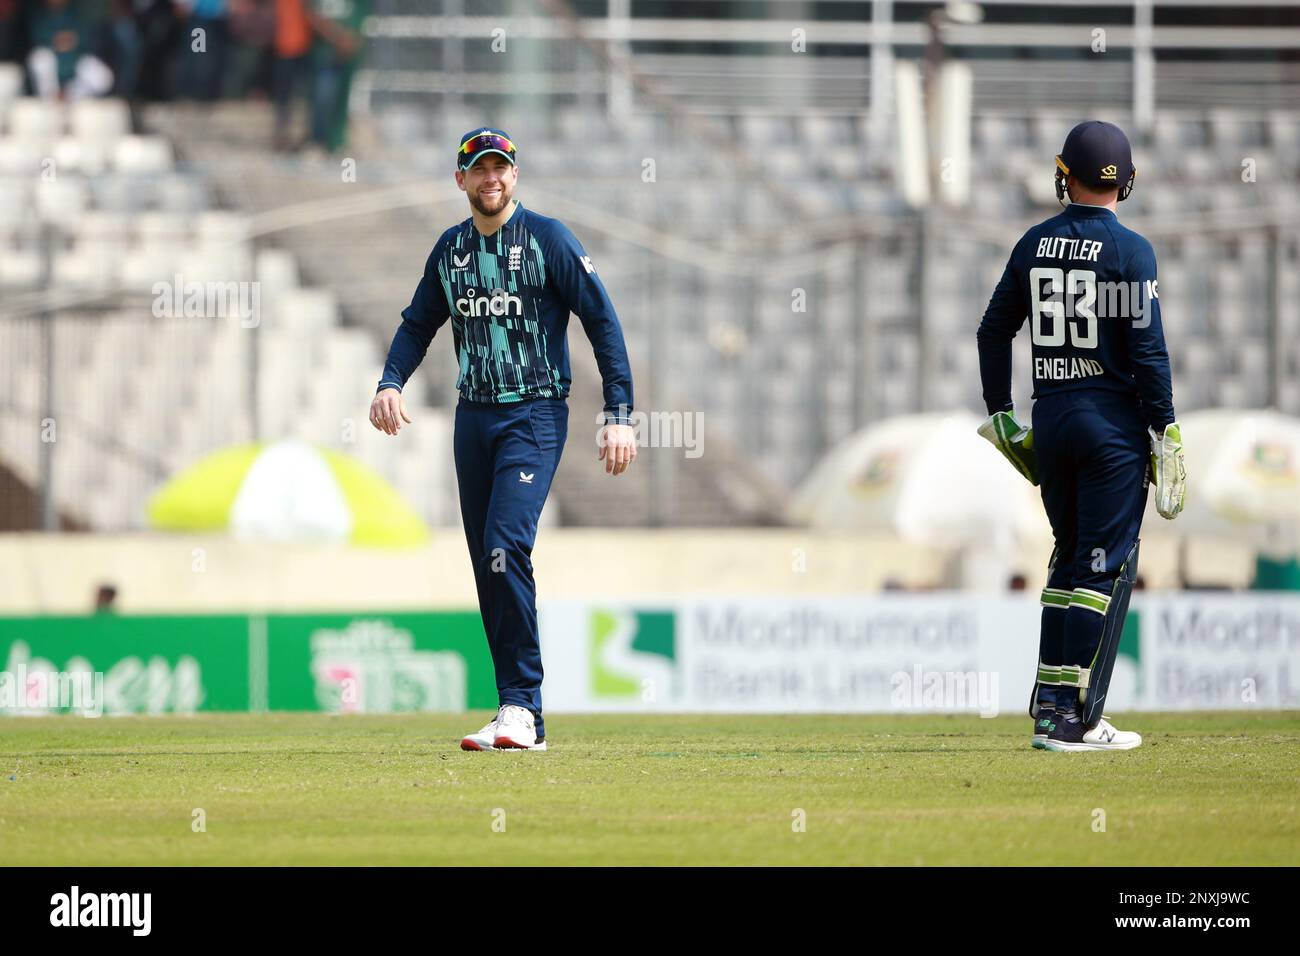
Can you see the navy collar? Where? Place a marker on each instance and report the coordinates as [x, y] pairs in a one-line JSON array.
[[515, 216], [1084, 211]]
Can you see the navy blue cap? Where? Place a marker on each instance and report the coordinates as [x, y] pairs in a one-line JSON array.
[[479, 142], [1097, 154]]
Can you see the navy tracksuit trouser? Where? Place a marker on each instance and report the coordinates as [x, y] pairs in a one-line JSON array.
[[1093, 458], [506, 456]]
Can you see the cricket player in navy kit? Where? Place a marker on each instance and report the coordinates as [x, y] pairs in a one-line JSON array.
[[1103, 423], [508, 279]]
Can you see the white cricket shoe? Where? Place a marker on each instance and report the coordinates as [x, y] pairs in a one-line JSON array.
[[483, 740], [1068, 736], [516, 730]]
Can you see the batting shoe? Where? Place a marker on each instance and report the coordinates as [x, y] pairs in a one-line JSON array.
[[516, 730], [1043, 725], [1069, 734], [485, 739]]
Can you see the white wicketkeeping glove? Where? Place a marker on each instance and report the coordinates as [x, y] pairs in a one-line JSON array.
[[1168, 473], [1014, 440]]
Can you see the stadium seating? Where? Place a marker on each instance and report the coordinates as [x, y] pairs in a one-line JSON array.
[[138, 396], [889, 326]]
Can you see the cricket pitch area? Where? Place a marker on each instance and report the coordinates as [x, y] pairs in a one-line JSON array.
[[1204, 789]]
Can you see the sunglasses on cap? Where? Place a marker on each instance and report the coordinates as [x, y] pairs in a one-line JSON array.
[[477, 145]]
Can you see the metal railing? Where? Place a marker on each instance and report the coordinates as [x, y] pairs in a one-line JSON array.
[[1024, 54]]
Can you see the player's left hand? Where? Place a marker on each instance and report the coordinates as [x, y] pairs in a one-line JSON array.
[[1168, 472], [388, 411], [1014, 440], [617, 448]]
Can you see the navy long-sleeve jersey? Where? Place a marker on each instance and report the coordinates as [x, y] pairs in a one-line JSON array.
[[509, 296], [1088, 286]]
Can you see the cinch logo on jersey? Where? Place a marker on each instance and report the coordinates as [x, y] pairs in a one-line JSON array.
[[1057, 369], [498, 303]]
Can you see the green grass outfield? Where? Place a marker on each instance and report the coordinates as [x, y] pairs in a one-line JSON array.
[[1221, 788]]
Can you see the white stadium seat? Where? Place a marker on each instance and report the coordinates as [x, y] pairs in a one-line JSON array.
[[14, 202], [20, 268], [221, 227], [61, 201], [162, 228], [23, 157], [104, 120], [143, 154], [11, 84], [277, 269], [143, 267], [182, 193], [35, 119], [305, 310], [82, 156], [85, 268], [216, 264]]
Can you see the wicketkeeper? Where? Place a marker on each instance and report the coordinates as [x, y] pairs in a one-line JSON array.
[[508, 279], [1103, 423]]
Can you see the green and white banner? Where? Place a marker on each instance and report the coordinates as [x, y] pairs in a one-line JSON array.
[[885, 653], [896, 653], [341, 663]]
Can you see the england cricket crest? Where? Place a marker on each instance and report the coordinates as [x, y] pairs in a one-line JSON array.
[[515, 259]]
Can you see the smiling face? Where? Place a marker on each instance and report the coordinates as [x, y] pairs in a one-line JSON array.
[[489, 183]]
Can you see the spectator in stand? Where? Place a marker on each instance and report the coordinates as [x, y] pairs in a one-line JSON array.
[[252, 27], [335, 55], [121, 47], [292, 44], [60, 64], [205, 36], [105, 599], [13, 31], [160, 31]]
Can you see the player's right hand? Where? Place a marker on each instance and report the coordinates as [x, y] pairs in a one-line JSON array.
[[617, 444], [1168, 471], [388, 411], [1014, 440]]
